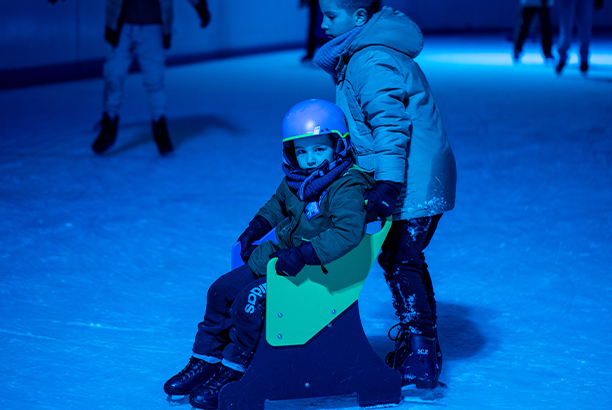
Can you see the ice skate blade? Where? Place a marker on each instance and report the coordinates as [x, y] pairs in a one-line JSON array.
[[412, 394], [176, 399], [413, 387]]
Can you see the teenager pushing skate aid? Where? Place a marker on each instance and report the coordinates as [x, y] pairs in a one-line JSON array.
[[397, 133], [319, 215]]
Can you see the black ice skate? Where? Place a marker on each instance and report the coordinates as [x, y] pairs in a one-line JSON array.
[[395, 357], [416, 358], [196, 373], [161, 137], [207, 396], [107, 135]]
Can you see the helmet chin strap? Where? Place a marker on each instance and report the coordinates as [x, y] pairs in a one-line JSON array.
[[345, 143]]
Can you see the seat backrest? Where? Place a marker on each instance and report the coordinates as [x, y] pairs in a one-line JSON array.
[[237, 261], [297, 308]]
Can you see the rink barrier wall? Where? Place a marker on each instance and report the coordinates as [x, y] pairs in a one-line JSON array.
[[45, 43], [80, 70]]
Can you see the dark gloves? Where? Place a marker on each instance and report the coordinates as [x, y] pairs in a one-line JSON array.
[[202, 10], [598, 4], [258, 227], [53, 1], [382, 198], [292, 260]]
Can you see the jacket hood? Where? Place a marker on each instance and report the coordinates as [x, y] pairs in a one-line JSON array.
[[389, 28]]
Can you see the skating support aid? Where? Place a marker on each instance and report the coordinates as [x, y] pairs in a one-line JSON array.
[[337, 361]]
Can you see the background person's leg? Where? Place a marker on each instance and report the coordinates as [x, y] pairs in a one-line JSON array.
[[522, 29], [546, 32], [152, 59], [566, 23], [116, 69], [584, 21]]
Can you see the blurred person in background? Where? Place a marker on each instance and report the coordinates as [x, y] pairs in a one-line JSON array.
[[140, 28], [579, 12], [529, 8], [316, 36]]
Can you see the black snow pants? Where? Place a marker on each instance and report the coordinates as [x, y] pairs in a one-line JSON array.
[[524, 22], [233, 321], [406, 273]]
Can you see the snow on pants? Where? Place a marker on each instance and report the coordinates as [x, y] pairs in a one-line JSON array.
[[146, 43], [234, 317], [406, 273], [581, 13]]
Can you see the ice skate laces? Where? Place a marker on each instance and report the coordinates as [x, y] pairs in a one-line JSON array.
[[192, 367], [402, 346]]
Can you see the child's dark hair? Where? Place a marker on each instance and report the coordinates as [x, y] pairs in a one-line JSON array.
[[370, 6]]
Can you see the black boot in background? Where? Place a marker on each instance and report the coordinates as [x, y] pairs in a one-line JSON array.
[[107, 135], [160, 134]]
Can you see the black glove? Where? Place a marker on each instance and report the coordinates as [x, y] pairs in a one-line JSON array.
[[598, 4], [382, 198], [292, 260], [258, 227], [202, 10], [53, 1]]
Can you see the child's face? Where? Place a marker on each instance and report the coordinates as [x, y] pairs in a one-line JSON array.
[[336, 21], [310, 152]]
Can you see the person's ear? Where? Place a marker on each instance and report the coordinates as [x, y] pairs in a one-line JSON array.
[[360, 17]]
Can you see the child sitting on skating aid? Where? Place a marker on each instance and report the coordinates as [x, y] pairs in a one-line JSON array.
[[319, 214]]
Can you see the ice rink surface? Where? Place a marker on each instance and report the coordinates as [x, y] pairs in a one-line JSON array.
[[105, 261]]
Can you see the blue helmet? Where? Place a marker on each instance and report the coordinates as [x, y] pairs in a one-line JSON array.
[[314, 117]]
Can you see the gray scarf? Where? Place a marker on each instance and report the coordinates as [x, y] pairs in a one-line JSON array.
[[329, 54]]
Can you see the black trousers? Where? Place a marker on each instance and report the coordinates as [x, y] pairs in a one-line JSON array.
[[234, 317], [524, 22], [407, 276]]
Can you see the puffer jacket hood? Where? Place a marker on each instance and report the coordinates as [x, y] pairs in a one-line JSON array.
[[388, 28]]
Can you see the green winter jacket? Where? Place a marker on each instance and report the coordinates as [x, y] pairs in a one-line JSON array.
[[335, 231], [395, 125]]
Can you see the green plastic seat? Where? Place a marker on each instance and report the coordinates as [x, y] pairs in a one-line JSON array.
[[314, 344], [298, 307]]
